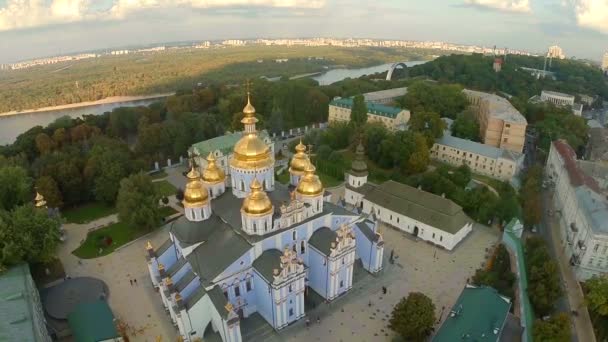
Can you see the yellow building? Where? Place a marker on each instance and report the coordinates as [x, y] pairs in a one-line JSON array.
[[392, 117], [501, 125]]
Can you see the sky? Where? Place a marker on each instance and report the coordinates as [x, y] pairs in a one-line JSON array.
[[36, 28]]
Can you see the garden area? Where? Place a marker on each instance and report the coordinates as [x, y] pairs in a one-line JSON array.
[[88, 212], [106, 240], [165, 189]]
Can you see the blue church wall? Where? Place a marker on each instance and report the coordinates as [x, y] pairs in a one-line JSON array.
[[239, 265], [338, 220], [182, 271], [317, 272], [264, 300], [342, 277], [291, 313], [168, 258], [190, 288], [364, 249]]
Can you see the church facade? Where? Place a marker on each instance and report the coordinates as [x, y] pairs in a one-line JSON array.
[[247, 245]]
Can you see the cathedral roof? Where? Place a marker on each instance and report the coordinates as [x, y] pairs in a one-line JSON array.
[[218, 300], [267, 262], [365, 229], [193, 298], [224, 143], [176, 266], [322, 239], [191, 232], [223, 247], [185, 280]]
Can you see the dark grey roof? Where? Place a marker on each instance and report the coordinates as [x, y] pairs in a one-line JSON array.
[[222, 247], [322, 239], [191, 232], [176, 266], [219, 300], [267, 262], [194, 297], [185, 280], [419, 205], [336, 209], [367, 231], [164, 247], [512, 330], [363, 189]]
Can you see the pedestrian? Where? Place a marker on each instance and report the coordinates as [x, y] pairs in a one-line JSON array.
[[131, 281], [318, 319], [135, 281], [307, 322]]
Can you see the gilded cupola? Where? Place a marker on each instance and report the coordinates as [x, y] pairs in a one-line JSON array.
[[39, 201], [300, 160], [212, 174], [310, 185], [257, 202], [251, 152], [196, 193]]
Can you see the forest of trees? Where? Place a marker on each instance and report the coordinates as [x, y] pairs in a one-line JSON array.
[[140, 74]]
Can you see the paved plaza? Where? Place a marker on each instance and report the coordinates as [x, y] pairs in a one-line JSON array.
[[139, 306]]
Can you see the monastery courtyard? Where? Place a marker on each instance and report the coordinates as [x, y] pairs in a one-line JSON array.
[[418, 266]]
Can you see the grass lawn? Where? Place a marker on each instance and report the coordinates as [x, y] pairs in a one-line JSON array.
[[165, 188], [88, 212], [282, 178], [158, 175], [329, 181], [120, 234], [167, 211]]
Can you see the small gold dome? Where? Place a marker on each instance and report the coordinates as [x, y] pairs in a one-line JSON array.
[[249, 110], [196, 193], [300, 160], [212, 173], [251, 152], [257, 202], [310, 185]]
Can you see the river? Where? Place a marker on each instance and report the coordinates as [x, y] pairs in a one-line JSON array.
[[13, 125]]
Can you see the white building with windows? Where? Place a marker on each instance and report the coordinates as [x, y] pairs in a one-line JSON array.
[[432, 218], [557, 98], [248, 247], [582, 209]]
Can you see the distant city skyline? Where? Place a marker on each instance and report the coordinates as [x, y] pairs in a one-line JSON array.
[[38, 28]]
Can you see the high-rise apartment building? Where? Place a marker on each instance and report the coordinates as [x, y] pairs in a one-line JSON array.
[[555, 52]]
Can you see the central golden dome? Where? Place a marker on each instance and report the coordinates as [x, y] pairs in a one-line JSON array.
[[300, 160], [212, 173], [310, 185], [251, 152], [196, 193], [257, 202]]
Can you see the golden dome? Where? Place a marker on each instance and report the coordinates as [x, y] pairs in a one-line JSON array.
[[257, 202], [300, 160], [251, 152], [196, 193], [310, 185], [249, 110], [39, 201], [212, 173]]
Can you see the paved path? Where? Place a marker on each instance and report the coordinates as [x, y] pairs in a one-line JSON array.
[[576, 300], [137, 305]]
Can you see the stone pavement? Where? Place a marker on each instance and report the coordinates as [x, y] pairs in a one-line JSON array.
[[137, 305], [582, 321]]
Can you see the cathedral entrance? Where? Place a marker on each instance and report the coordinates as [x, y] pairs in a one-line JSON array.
[[415, 231]]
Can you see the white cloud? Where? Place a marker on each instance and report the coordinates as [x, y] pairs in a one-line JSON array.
[[592, 14], [18, 14], [522, 6]]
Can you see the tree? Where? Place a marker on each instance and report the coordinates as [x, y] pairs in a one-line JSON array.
[[44, 143], [109, 162], [498, 275], [420, 158], [16, 187], [358, 114], [428, 123], [465, 126], [48, 188], [543, 276], [413, 317], [27, 234], [137, 202], [597, 294], [530, 196], [555, 329], [445, 99]]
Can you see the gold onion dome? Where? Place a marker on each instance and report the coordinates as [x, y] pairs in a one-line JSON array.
[[39, 201], [196, 193], [257, 202], [310, 185], [300, 160], [251, 152], [212, 173]]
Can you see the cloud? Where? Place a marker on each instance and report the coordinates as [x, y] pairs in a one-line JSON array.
[[19, 14], [521, 6], [592, 14]]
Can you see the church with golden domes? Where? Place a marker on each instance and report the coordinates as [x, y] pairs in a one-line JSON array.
[[247, 246]]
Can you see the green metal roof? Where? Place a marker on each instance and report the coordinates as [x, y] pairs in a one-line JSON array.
[[479, 314], [18, 300], [372, 108], [92, 322], [224, 143]]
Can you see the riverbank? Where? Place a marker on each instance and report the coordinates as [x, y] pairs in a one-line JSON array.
[[107, 100]]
